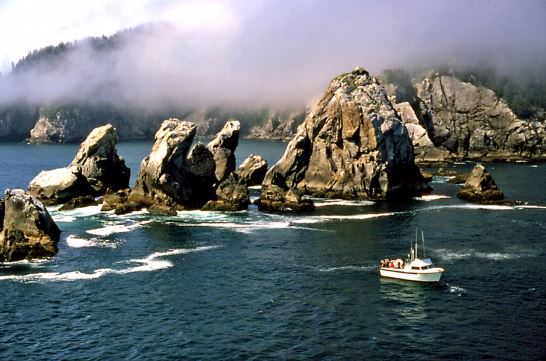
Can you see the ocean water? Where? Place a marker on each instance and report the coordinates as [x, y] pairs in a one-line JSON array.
[[251, 285]]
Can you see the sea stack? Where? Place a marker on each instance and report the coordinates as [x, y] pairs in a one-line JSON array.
[[95, 169], [27, 231], [480, 187], [352, 145], [175, 176]]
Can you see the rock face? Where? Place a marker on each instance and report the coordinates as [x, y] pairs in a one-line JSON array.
[[58, 185], [231, 195], [223, 149], [16, 120], [352, 145], [423, 147], [28, 231], [163, 176], [99, 161], [96, 168], [471, 122], [252, 171], [480, 187], [176, 177]]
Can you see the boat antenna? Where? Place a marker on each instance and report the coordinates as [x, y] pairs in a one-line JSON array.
[[423, 238], [415, 251]]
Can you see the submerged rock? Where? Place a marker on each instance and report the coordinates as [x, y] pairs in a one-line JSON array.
[[252, 171], [28, 231], [480, 187], [78, 202], [352, 145]]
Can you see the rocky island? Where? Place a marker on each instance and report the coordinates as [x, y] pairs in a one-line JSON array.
[[352, 145]]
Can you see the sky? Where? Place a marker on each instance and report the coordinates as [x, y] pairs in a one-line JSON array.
[[260, 51]]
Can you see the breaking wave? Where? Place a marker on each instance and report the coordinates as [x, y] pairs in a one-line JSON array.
[[323, 202], [150, 263], [116, 228], [431, 197], [75, 241]]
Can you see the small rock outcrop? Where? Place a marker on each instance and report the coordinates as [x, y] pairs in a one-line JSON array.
[[231, 195], [470, 121], [99, 162], [96, 168], [58, 185], [480, 187], [176, 177], [252, 171], [28, 231], [352, 145]]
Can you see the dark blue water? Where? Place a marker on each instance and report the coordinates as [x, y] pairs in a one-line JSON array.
[[249, 285]]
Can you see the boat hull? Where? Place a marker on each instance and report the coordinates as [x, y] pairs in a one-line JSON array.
[[430, 275]]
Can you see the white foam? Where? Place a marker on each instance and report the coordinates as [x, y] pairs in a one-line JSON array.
[[82, 212], [347, 268], [492, 207], [456, 289], [326, 218], [431, 197], [450, 255], [530, 207], [147, 264], [116, 228], [441, 179], [26, 262], [258, 187], [60, 218], [321, 202], [76, 242], [534, 166]]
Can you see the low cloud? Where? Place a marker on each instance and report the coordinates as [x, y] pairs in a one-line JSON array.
[[275, 53]]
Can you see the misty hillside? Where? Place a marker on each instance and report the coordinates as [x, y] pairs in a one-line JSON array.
[[136, 78]]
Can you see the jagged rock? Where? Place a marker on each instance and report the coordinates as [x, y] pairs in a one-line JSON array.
[[223, 147], [161, 210], [95, 169], [201, 164], [99, 161], [28, 231], [471, 122], [480, 187], [252, 171], [78, 202], [352, 145], [59, 185], [232, 195], [163, 177]]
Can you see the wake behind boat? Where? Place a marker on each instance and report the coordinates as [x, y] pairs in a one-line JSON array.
[[413, 268]]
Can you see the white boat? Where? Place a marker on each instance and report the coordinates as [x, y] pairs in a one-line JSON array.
[[411, 269]]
